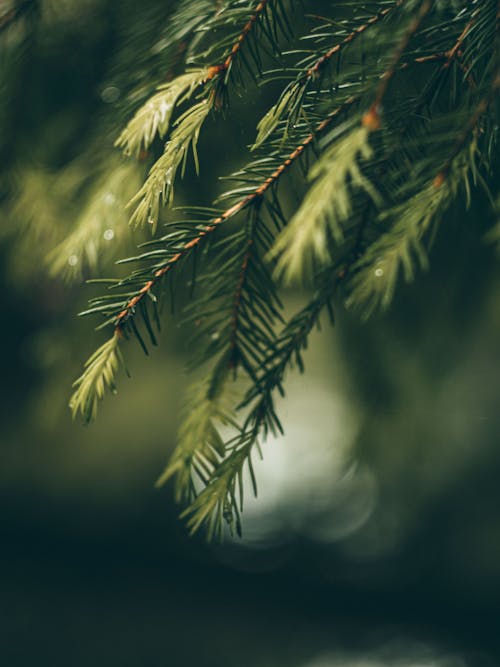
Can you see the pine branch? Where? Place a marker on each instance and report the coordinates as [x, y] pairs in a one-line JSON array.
[[328, 202], [455, 51], [246, 342], [99, 375], [314, 70], [379, 189], [200, 447], [326, 207], [158, 188], [293, 95], [287, 353], [263, 25], [224, 67], [229, 213], [154, 118], [373, 286], [469, 128], [371, 118], [221, 500]]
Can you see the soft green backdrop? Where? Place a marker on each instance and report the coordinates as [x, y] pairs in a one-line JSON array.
[[376, 536]]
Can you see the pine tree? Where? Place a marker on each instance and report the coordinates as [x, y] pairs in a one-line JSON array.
[[385, 119]]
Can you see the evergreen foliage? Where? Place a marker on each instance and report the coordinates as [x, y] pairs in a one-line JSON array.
[[386, 119]]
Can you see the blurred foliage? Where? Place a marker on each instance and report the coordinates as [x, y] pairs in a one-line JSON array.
[[375, 538]]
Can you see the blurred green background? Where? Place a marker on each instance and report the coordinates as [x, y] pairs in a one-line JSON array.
[[375, 539]]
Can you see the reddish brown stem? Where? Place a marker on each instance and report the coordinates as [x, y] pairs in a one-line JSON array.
[[312, 71], [454, 51], [215, 70], [471, 125], [371, 118]]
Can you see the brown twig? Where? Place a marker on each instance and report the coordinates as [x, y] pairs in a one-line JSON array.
[[314, 69], [479, 111], [454, 51], [472, 123], [223, 67], [371, 118]]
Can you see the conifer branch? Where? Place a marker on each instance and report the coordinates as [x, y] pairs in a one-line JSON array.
[[314, 70], [371, 118], [222, 68], [158, 188], [374, 283], [154, 118], [199, 446], [221, 500], [469, 128], [323, 125], [99, 374], [326, 207], [294, 93], [289, 345], [233, 210], [371, 206], [454, 52], [248, 349]]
